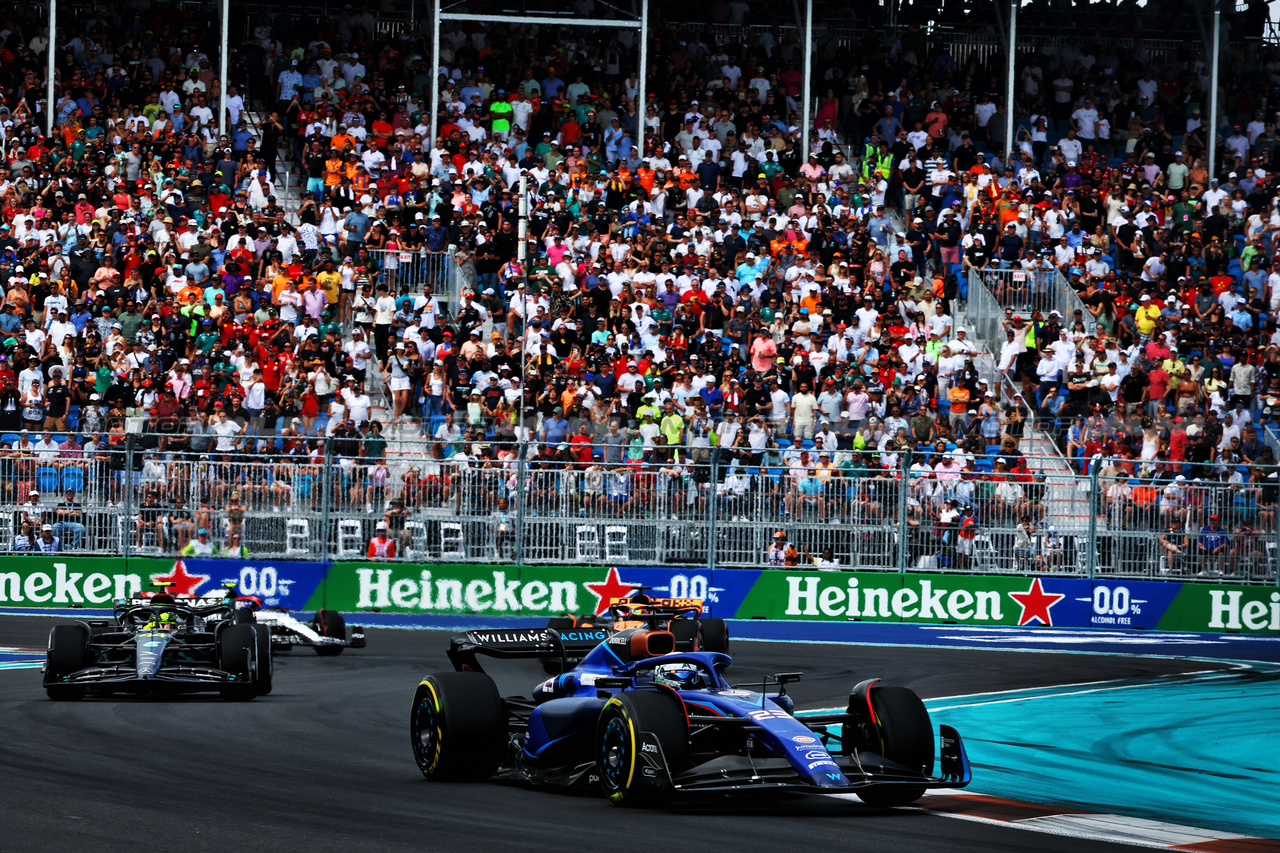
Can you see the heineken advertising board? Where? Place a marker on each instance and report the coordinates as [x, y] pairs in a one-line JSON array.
[[54, 581]]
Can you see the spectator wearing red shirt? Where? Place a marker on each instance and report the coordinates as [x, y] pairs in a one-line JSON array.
[[580, 446]]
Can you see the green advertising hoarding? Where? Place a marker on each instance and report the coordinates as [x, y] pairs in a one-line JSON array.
[[891, 597], [56, 581], [1223, 607], [453, 588], [1048, 600], [459, 588]]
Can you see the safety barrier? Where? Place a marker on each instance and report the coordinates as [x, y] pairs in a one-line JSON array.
[[1020, 293], [490, 593], [414, 269], [979, 507]]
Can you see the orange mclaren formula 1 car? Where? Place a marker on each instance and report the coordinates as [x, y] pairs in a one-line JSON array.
[[681, 616]]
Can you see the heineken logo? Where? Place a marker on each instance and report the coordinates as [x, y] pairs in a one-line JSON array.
[[66, 587], [501, 594], [921, 600], [1232, 610]]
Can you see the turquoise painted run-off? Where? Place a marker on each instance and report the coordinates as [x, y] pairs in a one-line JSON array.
[[1197, 750]]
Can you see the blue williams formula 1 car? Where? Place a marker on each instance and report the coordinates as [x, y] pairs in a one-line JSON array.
[[643, 722]]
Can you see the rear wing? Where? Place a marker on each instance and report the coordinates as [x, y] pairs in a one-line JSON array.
[[648, 608], [199, 605], [466, 649], [678, 603], [180, 600]]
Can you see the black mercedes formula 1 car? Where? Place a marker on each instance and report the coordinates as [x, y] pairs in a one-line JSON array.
[[160, 645]]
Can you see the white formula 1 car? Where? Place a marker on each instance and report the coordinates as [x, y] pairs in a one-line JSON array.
[[326, 632]]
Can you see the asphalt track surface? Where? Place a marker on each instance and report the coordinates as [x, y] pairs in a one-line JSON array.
[[324, 763]]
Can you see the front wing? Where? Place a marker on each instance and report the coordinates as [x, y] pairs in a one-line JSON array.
[[730, 774], [742, 773], [180, 676]]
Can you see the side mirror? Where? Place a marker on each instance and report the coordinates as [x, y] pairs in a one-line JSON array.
[[605, 685]]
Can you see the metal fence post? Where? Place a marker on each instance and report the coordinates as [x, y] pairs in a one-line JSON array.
[[711, 504], [1276, 561], [904, 484], [127, 530], [1091, 552], [522, 464], [326, 499]]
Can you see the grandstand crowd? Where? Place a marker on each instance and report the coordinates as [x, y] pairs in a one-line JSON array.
[[727, 292]]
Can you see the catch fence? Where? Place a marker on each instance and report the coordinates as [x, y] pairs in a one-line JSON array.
[[323, 499]]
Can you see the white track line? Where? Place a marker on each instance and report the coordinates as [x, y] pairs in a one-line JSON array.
[[1116, 829]]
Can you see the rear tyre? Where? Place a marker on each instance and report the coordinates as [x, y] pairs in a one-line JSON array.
[[905, 735], [713, 635], [630, 774], [262, 653], [330, 623], [561, 623], [458, 727], [236, 645], [68, 653], [685, 632]]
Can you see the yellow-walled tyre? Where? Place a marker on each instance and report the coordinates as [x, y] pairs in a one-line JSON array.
[[458, 727], [642, 740]]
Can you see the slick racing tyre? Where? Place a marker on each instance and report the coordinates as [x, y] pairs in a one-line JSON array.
[[68, 653], [641, 740], [713, 635], [561, 623], [458, 727], [262, 653], [236, 646], [905, 736], [330, 623], [686, 634]]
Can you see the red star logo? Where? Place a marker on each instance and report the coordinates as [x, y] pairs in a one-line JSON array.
[[1036, 604], [178, 582], [612, 587]]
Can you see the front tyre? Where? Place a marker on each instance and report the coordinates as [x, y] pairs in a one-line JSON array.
[[458, 727], [236, 646], [713, 635], [904, 735], [68, 653], [262, 654], [330, 623], [642, 739]]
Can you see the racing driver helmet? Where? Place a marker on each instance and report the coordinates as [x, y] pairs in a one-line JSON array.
[[680, 676]]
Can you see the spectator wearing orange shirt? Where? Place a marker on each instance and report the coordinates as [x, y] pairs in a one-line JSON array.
[[959, 415]]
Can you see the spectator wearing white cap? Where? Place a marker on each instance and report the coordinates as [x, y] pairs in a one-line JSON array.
[[381, 546], [46, 542]]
